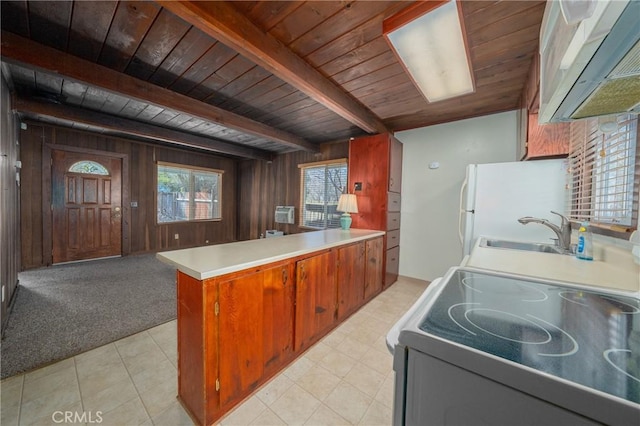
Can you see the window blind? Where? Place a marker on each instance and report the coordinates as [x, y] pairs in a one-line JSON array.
[[605, 172]]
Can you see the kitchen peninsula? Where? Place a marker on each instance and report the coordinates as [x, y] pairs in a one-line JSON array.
[[248, 309]]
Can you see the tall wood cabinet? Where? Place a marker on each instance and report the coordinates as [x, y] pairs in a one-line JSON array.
[[375, 176]]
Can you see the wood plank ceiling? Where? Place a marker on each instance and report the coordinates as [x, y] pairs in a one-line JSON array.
[[248, 78]]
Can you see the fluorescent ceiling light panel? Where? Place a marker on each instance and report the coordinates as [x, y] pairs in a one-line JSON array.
[[432, 48]]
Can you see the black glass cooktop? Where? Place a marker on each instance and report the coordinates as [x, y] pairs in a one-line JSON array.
[[587, 337]]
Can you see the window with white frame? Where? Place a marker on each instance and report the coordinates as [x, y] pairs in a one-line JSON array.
[[605, 170], [321, 186], [188, 193]]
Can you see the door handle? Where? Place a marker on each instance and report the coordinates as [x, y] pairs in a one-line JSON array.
[[117, 214]]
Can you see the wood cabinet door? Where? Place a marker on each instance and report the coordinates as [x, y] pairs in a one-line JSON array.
[[350, 279], [395, 165], [374, 252], [278, 291], [255, 328], [241, 337], [316, 297], [369, 165], [547, 140]]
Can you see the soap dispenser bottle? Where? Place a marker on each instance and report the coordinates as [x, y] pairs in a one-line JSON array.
[[584, 250]]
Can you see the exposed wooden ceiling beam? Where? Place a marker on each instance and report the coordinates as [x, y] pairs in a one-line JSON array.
[[221, 21], [135, 128], [22, 51]]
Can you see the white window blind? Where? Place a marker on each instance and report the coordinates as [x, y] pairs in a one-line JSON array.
[[321, 186], [605, 172]]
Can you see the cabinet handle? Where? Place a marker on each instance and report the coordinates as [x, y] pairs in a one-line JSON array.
[[390, 181], [285, 277]]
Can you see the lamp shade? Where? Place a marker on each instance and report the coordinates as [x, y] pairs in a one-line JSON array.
[[347, 203]]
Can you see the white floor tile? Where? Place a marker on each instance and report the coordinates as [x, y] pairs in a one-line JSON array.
[[324, 416], [245, 413], [268, 418], [130, 413], [365, 379], [295, 406], [348, 402], [174, 415], [319, 382], [273, 390]]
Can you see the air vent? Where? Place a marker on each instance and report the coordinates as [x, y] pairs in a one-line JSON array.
[[285, 214], [620, 91], [629, 65]]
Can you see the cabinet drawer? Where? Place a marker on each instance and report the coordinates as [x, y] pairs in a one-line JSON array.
[[393, 221], [393, 201], [393, 238], [392, 266]]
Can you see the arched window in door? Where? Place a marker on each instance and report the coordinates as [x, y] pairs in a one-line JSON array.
[[88, 167]]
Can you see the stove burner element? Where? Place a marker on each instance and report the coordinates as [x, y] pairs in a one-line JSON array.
[[493, 319], [607, 356], [489, 321], [499, 288], [573, 341]]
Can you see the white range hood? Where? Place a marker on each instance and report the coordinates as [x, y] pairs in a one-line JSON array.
[[590, 65]]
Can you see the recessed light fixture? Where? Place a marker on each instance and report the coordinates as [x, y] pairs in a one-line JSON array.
[[429, 40]]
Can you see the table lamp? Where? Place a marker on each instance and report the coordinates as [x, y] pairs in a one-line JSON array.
[[347, 204]]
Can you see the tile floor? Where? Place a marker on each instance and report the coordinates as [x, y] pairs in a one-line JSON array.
[[346, 378]]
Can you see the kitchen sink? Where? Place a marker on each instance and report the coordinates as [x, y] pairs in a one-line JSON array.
[[518, 245]]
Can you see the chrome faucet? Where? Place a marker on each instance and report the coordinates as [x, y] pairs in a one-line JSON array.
[[563, 231]]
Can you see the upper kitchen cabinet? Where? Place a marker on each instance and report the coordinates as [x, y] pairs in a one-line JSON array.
[[395, 165], [546, 140], [539, 140], [375, 176]]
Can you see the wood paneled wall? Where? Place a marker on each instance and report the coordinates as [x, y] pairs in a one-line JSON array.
[[9, 202], [145, 234], [264, 185]]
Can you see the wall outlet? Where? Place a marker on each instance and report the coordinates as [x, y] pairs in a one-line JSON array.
[[176, 236]]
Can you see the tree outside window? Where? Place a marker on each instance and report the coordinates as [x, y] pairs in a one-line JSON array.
[[322, 185], [188, 194]]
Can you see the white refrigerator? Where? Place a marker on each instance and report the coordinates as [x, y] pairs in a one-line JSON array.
[[494, 196]]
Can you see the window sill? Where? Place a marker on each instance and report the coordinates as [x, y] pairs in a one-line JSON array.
[[614, 231]]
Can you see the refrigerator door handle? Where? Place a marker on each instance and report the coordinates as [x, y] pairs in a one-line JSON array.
[[462, 210]]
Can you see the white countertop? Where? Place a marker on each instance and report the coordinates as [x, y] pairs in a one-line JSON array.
[[612, 267], [212, 261]]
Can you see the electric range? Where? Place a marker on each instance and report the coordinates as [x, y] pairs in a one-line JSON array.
[[549, 351]]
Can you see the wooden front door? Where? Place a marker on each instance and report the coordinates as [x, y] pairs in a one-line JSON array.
[[86, 206]]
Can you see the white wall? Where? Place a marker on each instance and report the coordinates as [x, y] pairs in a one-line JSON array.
[[429, 242]]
